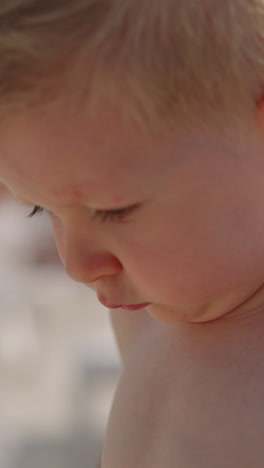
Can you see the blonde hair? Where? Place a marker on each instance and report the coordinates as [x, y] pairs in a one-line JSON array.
[[162, 60]]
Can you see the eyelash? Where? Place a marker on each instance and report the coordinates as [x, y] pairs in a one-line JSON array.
[[36, 210], [104, 216]]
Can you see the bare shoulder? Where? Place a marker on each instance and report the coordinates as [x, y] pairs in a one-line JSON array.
[[190, 396], [128, 327]]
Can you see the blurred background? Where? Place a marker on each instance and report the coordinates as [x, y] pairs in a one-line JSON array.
[[59, 365]]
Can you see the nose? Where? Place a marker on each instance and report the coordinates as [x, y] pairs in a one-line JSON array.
[[89, 268], [85, 261]]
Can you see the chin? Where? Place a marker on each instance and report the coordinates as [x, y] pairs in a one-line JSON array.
[[165, 314]]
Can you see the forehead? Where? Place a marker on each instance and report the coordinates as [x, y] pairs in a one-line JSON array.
[[69, 156], [65, 157]]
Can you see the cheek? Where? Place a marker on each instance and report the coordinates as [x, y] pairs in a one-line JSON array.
[[190, 269]]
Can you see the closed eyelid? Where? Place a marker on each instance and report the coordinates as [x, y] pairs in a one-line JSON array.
[[115, 210], [102, 215], [115, 214]]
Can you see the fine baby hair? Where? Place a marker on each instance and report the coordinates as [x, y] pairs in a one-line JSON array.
[[164, 60]]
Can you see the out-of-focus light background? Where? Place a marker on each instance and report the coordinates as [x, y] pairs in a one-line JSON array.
[[59, 364]]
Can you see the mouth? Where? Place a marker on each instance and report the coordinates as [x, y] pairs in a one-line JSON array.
[[136, 306], [122, 306]]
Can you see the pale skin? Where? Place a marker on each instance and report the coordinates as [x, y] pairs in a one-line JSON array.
[[190, 243]]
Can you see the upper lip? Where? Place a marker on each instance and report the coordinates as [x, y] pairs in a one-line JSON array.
[[109, 305]]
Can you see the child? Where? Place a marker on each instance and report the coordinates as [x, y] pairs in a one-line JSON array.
[[139, 126]]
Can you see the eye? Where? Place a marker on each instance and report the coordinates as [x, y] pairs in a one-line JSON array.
[[36, 210], [102, 215], [114, 215]]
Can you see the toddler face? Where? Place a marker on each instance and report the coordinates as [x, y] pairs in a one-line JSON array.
[[171, 220]]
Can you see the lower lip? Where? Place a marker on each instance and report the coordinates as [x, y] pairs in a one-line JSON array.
[[136, 307]]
